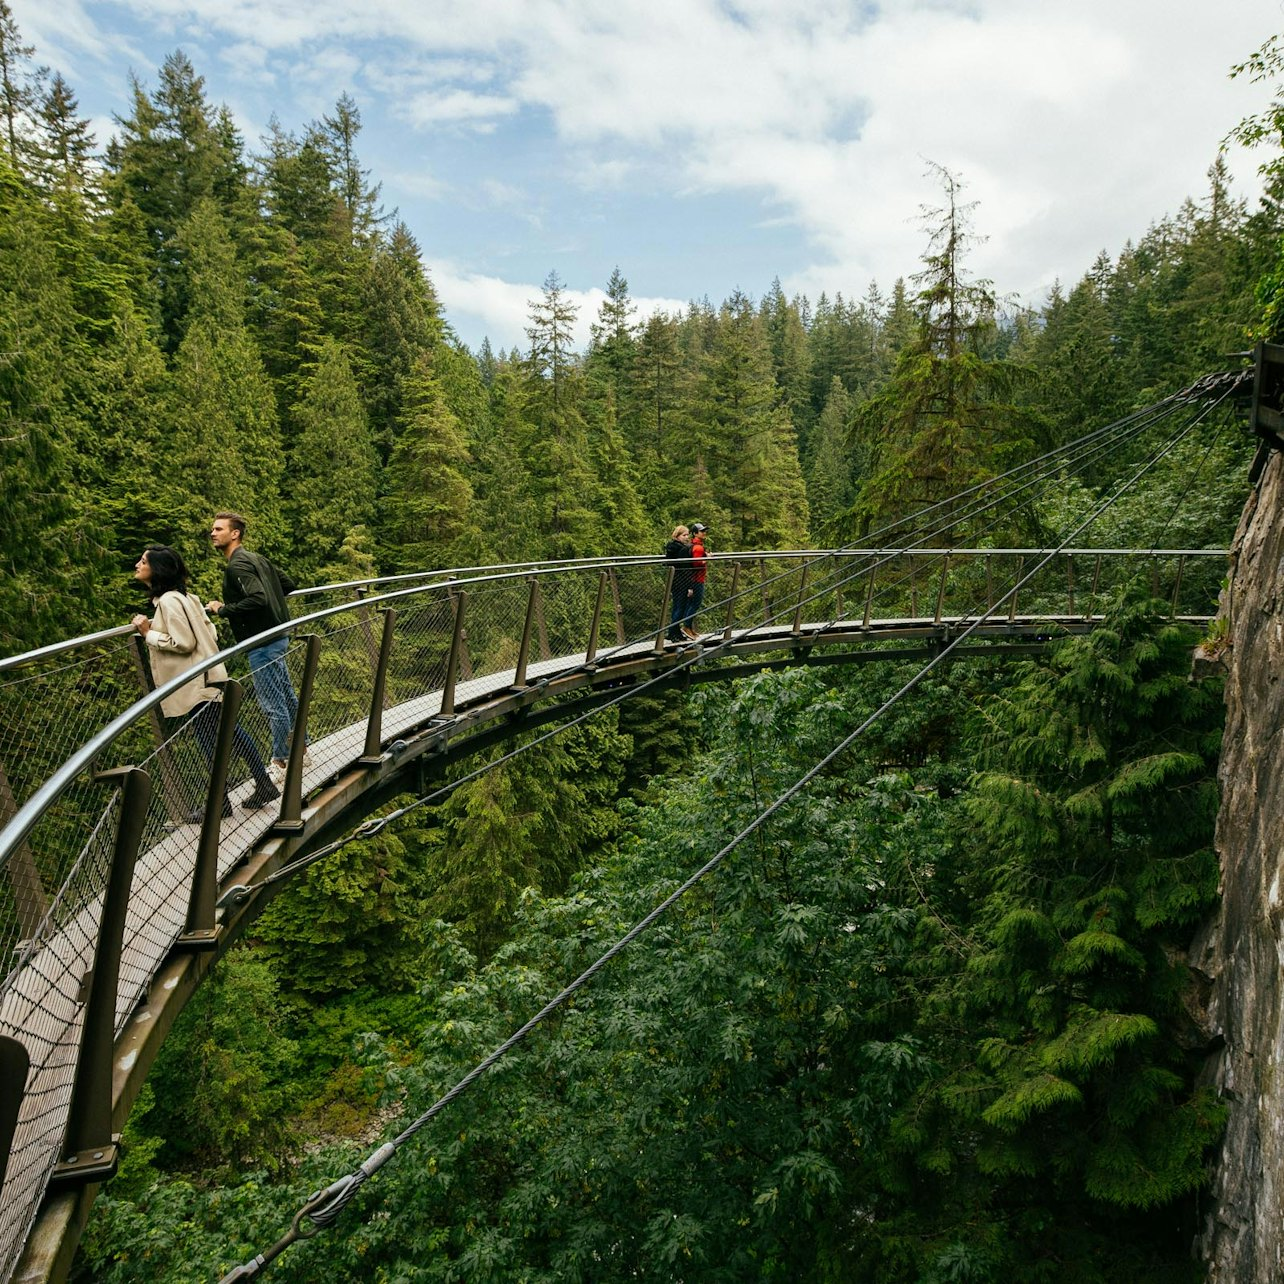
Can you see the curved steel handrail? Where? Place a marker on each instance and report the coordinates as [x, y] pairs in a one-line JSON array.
[[28, 815], [476, 574]]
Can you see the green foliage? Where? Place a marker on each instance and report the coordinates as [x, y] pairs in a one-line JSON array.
[[528, 824], [429, 505], [352, 919], [222, 1085], [333, 468], [925, 1023]]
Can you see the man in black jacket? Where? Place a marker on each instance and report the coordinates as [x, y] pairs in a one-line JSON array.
[[254, 593]]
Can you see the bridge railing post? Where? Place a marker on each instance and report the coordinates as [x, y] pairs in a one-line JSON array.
[[541, 632], [1070, 583], [621, 637], [374, 724], [1012, 601], [762, 584], [1181, 566], [732, 598], [940, 589], [524, 647], [869, 597], [662, 629], [290, 819], [1092, 592], [802, 594], [590, 651], [171, 779], [460, 601], [90, 1152], [200, 931]]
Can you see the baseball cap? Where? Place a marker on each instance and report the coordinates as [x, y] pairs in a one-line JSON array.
[[697, 527]]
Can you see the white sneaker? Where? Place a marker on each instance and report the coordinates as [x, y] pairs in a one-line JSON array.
[[276, 770]]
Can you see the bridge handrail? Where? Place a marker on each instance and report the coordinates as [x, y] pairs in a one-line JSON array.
[[445, 578]]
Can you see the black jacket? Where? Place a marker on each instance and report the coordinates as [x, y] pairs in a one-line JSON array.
[[254, 594], [680, 555]]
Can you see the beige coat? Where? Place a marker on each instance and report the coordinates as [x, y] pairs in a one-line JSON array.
[[181, 636]]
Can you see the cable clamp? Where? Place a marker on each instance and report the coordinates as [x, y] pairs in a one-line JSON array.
[[234, 896]]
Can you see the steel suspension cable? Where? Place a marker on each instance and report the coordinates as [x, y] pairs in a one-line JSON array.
[[323, 1208], [1141, 422]]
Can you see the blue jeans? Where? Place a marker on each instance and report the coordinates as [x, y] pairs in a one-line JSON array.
[[274, 692]]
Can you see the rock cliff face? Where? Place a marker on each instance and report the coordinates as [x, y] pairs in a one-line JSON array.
[[1242, 949]]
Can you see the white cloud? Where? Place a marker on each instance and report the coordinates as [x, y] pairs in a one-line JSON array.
[[458, 107], [1073, 125], [501, 309]]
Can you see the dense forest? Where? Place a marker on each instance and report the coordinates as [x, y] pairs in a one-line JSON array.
[[929, 1024]]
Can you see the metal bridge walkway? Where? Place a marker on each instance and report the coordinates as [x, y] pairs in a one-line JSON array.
[[114, 907]]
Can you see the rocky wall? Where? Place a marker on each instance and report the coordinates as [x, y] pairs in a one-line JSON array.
[[1241, 951]]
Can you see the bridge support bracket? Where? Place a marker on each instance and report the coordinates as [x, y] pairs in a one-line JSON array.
[[202, 939], [89, 1165], [288, 828]]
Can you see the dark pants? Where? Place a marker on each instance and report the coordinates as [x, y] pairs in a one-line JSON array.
[[693, 604], [204, 721], [679, 612]]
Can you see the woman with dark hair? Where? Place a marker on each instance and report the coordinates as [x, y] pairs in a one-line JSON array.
[[179, 636]]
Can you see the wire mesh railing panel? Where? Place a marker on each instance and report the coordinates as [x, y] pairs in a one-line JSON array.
[[166, 859], [494, 624], [638, 601], [341, 689], [42, 1007], [568, 601], [48, 710], [417, 666]]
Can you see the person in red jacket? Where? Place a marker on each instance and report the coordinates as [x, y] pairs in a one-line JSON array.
[[698, 570]]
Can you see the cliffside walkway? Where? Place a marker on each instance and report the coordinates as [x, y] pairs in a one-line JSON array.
[[123, 881]]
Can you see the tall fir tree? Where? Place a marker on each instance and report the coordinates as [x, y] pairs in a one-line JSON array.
[[224, 437], [429, 500], [333, 469]]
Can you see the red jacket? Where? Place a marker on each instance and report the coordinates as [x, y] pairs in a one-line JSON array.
[[698, 556]]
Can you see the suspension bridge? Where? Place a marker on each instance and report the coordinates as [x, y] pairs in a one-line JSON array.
[[126, 877]]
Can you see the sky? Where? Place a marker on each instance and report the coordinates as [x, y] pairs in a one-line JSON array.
[[708, 146]]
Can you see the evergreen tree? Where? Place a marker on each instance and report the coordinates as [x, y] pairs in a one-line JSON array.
[[528, 824], [747, 439], [791, 360], [51, 567], [224, 440], [359, 196], [400, 320], [831, 485], [21, 88], [429, 501], [63, 166], [553, 439], [333, 475], [170, 155], [506, 516], [944, 420]]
